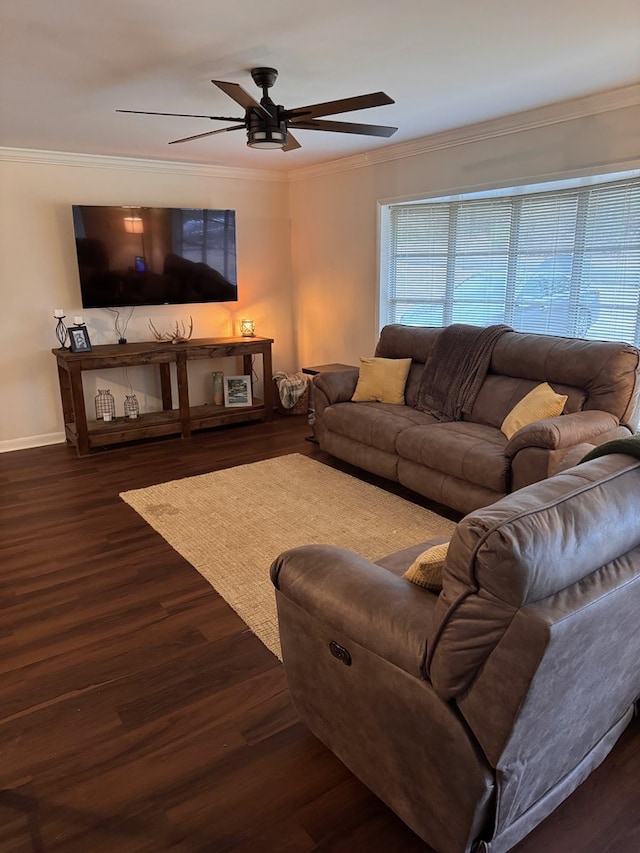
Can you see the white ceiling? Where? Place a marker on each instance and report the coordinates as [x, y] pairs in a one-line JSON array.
[[66, 65]]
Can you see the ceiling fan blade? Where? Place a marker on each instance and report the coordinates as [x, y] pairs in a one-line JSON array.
[[181, 115], [209, 133], [345, 105], [291, 143], [346, 127], [241, 96]]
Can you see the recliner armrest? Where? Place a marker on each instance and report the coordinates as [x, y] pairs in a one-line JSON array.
[[337, 385], [386, 614], [562, 431]]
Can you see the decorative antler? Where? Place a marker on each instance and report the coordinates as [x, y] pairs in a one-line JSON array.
[[179, 335]]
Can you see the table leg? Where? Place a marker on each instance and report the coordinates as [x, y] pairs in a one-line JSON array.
[[79, 411], [165, 385], [183, 394], [267, 381]]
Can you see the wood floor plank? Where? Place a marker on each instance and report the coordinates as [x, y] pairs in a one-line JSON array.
[[137, 712]]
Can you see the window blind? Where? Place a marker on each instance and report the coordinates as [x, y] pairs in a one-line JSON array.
[[562, 262]]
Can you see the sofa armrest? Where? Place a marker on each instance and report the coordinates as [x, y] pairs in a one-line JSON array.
[[337, 385], [562, 431], [386, 614]]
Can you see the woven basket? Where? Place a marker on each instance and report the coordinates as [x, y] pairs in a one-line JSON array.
[[300, 408]]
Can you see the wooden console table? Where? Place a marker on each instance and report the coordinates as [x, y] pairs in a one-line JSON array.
[[87, 434]]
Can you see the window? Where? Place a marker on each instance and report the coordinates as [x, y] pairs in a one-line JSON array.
[[562, 262], [207, 236]]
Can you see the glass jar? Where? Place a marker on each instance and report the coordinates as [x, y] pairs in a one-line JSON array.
[[105, 405], [131, 407], [218, 388]]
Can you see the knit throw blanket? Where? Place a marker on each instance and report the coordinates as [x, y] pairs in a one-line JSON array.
[[629, 445], [458, 365], [291, 386]]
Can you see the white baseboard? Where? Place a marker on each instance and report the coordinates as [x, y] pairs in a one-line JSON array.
[[32, 441]]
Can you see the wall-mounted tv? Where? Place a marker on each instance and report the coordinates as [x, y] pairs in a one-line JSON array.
[[130, 256]]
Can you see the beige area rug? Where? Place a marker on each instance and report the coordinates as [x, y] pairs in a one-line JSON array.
[[231, 524]]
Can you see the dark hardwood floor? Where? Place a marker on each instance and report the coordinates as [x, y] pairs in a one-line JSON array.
[[137, 712]]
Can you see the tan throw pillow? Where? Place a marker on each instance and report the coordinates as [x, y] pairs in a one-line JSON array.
[[382, 380], [540, 403], [426, 569]]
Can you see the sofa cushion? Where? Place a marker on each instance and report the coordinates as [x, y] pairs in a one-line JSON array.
[[382, 380], [426, 569], [468, 451], [540, 403], [375, 424]]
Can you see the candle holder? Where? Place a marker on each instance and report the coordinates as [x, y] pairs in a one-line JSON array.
[[105, 405], [248, 328], [62, 333], [131, 407]]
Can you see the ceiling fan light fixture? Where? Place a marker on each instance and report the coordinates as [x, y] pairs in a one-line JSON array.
[[268, 132], [266, 137]]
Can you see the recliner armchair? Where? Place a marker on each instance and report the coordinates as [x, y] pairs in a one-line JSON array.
[[474, 713]]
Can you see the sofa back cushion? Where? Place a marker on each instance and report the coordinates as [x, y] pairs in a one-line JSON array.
[[413, 342], [525, 548], [595, 375], [499, 394], [606, 372]]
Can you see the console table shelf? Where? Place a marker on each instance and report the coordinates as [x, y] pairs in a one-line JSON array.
[[88, 434]]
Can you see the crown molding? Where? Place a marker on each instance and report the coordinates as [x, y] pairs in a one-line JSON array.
[[550, 114], [136, 164]]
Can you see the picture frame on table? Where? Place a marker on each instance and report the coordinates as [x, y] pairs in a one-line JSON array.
[[237, 391], [79, 339]]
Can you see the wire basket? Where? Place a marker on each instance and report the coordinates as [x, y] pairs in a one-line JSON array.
[[301, 407], [105, 405]]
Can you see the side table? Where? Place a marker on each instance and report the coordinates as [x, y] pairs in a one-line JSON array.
[[326, 368]]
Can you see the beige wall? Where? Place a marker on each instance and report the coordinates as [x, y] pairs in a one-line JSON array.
[[307, 245], [334, 215], [38, 273]]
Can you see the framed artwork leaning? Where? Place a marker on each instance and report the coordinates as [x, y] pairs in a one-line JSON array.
[[237, 391]]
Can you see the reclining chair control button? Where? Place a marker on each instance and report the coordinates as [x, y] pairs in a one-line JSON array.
[[340, 652]]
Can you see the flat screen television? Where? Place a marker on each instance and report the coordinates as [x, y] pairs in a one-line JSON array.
[[130, 256]]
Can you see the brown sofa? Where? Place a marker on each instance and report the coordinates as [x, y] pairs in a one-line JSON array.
[[474, 712], [469, 463]]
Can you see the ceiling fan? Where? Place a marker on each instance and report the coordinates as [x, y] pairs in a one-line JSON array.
[[268, 125]]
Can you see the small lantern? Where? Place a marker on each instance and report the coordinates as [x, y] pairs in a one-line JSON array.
[[131, 407], [105, 405], [247, 328]]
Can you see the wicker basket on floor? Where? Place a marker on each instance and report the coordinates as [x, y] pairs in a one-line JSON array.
[[300, 408]]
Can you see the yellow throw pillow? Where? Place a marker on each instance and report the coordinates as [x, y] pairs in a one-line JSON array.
[[382, 380], [540, 403], [426, 569]]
